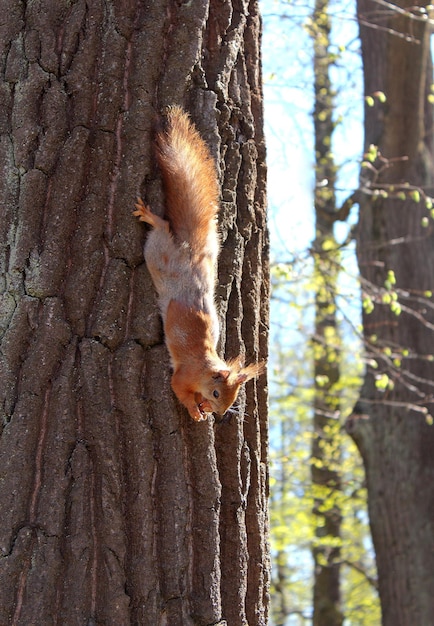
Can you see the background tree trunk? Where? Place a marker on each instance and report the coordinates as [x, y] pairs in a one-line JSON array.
[[390, 424], [115, 507], [326, 443]]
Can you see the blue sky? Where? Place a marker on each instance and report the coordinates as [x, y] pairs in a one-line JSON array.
[[288, 92]]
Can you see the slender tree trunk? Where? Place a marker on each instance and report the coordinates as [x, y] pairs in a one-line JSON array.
[[396, 259], [326, 481], [115, 507]]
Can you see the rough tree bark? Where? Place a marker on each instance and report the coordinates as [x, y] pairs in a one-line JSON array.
[[389, 425], [115, 508]]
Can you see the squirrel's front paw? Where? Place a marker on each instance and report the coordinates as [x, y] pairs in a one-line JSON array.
[[144, 213], [197, 413]]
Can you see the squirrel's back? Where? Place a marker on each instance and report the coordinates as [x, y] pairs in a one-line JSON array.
[[190, 181]]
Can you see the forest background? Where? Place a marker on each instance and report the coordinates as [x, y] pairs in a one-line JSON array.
[[324, 568]]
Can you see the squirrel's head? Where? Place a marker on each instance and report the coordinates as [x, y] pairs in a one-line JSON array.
[[219, 391]]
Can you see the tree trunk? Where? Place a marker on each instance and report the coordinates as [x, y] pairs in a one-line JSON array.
[[326, 446], [396, 260], [116, 508]]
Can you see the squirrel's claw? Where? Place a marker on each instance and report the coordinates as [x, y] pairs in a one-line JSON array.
[[144, 213]]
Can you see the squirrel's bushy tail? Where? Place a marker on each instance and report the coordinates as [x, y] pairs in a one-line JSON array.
[[190, 180]]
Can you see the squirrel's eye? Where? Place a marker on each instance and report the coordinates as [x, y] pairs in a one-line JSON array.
[[215, 393]]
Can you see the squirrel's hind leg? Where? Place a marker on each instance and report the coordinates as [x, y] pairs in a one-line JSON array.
[[144, 213]]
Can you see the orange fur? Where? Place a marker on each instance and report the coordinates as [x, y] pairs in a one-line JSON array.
[[190, 181], [181, 253]]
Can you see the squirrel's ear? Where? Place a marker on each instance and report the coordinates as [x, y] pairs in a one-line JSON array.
[[251, 371], [221, 375]]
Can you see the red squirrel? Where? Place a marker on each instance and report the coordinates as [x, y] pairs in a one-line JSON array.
[[181, 254]]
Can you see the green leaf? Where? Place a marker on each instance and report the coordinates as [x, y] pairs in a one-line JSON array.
[[396, 308], [391, 278], [368, 305], [382, 382], [371, 154]]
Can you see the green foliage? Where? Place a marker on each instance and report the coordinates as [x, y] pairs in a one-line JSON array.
[[377, 96], [316, 474], [372, 154], [293, 523], [367, 304], [375, 163], [383, 382]]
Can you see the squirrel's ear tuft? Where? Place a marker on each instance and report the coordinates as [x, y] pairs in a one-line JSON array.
[[236, 365], [250, 371]]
